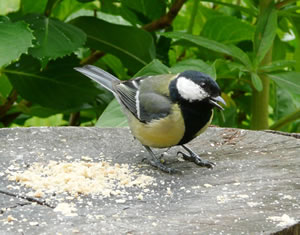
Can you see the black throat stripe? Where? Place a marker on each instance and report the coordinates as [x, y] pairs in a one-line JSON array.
[[196, 116]]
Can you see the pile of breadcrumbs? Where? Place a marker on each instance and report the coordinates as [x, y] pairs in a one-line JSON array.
[[80, 177]]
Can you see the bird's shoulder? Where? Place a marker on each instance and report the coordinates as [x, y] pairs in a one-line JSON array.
[[147, 97], [157, 83]]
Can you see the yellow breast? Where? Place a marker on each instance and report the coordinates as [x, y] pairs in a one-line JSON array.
[[161, 133]]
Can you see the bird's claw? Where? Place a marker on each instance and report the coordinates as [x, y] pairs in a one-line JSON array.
[[197, 160], [163, 167], [158, 163]]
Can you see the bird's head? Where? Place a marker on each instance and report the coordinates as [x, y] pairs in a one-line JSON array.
[[193, 86]]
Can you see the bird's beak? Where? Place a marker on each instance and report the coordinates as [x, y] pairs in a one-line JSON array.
[[214, 101]]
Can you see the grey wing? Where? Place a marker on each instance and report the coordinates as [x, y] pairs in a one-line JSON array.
[[154, 106], [146, 106], [127, 94]]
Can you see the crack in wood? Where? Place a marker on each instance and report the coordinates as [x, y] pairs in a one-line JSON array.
[[294, 135], [30, 199], [2, 211]]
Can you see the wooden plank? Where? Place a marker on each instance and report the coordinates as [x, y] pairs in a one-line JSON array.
[[254, 188]]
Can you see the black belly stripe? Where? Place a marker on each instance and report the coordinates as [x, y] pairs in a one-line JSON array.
[[196, 116]]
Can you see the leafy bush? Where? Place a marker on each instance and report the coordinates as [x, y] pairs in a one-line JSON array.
[[251, 47]]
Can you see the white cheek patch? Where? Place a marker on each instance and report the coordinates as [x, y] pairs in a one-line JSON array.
[[190, 90]]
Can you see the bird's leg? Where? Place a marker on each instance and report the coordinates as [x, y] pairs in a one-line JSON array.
[[164, 153], [154, 161], [194, 157]]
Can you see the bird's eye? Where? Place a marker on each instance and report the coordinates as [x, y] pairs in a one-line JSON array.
[[203, 84]]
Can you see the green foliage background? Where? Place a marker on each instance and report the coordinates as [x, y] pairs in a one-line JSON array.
[[251, 47]]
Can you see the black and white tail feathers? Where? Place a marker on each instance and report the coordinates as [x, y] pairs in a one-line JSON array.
[[100, 76], [125, 92]]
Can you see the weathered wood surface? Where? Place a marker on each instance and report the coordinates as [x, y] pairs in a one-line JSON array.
[[256, 178]]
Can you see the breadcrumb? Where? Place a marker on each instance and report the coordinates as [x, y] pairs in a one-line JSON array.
[[10, 218], [66, 209], [80, 177]]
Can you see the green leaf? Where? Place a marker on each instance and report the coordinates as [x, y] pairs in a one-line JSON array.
[[279, 49], [115, 65], [29, 6], [112, 116], [51, 4], [58, 87], [70, 8], [54, 38], [54, 120], [163, 46], [5, 87], [114, 19], [296, 23], [290, 11], [110, 7], [256, 82], [9, 6], [284, 103], [182, 22], [153, 68], [220, 29], [213, 45], [194, 64], [16, 38], [286, 120], [287, 80], [38, 111], [265, 34], [85, 1], [4, 19], [133, 46], [251, 10], [152, 9], [278, 65], [229, 70]]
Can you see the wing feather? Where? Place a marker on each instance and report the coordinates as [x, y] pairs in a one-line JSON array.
[[141, 96], [127, 96]]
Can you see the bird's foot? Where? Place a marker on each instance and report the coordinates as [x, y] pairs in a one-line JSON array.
[[197, 160], [165, 153], [193, 157], [158, 164]]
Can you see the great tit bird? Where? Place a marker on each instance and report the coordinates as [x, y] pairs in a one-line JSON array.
[[164, 110]]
